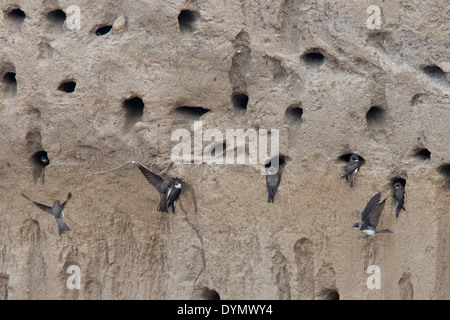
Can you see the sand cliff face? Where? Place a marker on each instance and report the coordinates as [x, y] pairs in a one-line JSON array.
[[311, 69]]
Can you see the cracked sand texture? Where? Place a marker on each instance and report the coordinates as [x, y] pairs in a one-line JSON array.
[[311, 69]]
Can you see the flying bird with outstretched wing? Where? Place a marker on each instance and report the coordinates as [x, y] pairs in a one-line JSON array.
[[371, 216], [56, 211]]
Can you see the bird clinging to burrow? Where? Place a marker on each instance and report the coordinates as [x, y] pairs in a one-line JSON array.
[[352, 169], [169, 189]]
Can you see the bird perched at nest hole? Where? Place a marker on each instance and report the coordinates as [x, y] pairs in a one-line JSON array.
[[56, 211], [273, 180], [352, 168], [169, 189], [371, 216], [399, 194]]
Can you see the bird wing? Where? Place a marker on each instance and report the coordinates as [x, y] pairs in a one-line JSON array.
[[153, 178], [351, 166], [64, 204], [40, 205], [370, 206], [374, 216]]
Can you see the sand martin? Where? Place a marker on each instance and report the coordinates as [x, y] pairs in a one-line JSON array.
[[56, 211], [273, 180], [370, 217], [399, 194], [352, 168], [169, 189]]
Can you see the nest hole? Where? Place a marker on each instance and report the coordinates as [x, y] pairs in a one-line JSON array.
[[209, 294], [40, 159], [187, 20], [68, 86], [313, 58], [444, 170], [399, 180], [282, 160], [346, 158], [56, 17], [331, 295], [134, 108], [294, 113], [422, 154], [240, 101], [191, 112], [10, 78], [103, 30], [433, 71], [10, 82], [16, 15], [375, 116]]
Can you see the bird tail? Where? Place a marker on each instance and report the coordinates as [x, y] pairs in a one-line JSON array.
[[271, 194], [384, 231], [399, 207], [63, 227], [162, 207]]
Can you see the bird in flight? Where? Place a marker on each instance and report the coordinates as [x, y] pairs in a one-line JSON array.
[[56, 211], [371, 216]]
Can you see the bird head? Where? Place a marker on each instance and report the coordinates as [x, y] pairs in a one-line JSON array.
[[354, 157], [397, 185], [272, 170], [357, 225], [176, 183]]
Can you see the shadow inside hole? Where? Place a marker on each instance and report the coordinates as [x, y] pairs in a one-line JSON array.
[[374, 116], [282, 160], [16, 15], [240, 101], [68, 86], [313, 58], [294, 113], [56, 17], [399, 180], [422, 154], [186, 20], [39, 161], [103, 30], [346, 158], [191, 112], [434, 72], [134, 108], [209, 294], [10, 82], [40, 158], [331, 295], [444, 170]]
